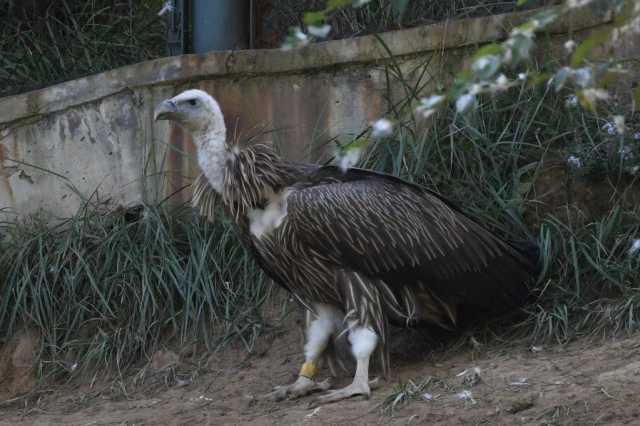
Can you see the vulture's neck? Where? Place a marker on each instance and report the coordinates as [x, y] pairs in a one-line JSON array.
[[245, 178], [212, 158]]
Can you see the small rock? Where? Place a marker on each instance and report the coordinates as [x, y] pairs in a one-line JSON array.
[[17, 364], [519, 405]]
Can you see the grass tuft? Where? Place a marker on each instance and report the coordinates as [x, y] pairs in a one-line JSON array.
[[506, 164], [426, 389], [45, 42], [105, 288]]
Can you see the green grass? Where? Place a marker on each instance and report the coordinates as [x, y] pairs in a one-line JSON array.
[[506, 164], [45, 42], [104, 289]]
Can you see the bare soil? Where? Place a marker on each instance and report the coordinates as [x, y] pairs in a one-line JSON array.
[[583, 383]]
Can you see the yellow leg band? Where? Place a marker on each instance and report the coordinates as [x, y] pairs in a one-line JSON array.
[[308, 370]]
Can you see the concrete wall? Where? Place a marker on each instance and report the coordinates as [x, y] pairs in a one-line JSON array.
[[96, 135]]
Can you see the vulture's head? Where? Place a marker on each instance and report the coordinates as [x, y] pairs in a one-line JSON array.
[[194, 110]]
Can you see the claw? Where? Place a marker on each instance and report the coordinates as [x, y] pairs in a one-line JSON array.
[[353, 389], [301, 387]]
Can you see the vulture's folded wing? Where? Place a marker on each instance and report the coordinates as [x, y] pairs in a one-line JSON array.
[[388, 229]]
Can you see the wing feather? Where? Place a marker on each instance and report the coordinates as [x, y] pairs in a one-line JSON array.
[[388, 229]]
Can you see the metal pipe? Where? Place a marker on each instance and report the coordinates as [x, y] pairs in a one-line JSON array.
[[220, 25]]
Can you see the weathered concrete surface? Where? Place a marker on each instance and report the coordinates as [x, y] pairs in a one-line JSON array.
[[96, 134]]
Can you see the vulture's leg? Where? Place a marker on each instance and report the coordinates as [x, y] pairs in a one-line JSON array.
[[322, 325], [363, 343]]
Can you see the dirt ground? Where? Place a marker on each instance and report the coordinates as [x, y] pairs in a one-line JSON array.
[[580, 384]]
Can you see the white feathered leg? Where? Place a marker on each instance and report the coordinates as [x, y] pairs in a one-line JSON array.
[[363, 342], [320, 328]]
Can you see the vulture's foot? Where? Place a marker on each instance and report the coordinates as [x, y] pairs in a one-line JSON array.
[[356, 388], [301, 387]]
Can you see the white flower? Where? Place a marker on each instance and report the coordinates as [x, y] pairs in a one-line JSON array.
[[359, 3], [487, 64], [296, 38], [569, 46], [634, 170], [465, 102], [571, 101], [619, 122], [300, 36], [574, 161], [609, 128], [583, 77], [480, 63], [349, 158], [427, 396], [476, 89], [522, 76], [427, 105], [635, 247], [321, 31], [502, 83], [381, 128], [636, 136], [502, 80], [431, 101]]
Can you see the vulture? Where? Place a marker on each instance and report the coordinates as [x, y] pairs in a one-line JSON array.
[[360, 250]]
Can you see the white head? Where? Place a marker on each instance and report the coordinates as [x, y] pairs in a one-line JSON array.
[[200, 115], [197, 112]]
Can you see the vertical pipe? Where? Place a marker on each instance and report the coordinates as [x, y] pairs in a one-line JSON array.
[[252, 24], [220, 25]]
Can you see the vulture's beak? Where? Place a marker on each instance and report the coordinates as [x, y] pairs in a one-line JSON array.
[[167, 110]]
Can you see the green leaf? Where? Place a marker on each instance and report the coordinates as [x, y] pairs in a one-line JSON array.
[[314, 18], [598, 37], [489, 49], [528, 26], [537, 78], [357, 143], [586, 102], [336, 4], [521, 3]]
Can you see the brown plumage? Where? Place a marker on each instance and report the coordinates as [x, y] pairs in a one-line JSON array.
[[369, 246]]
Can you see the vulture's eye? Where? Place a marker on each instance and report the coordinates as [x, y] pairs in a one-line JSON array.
[[193, 102]]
